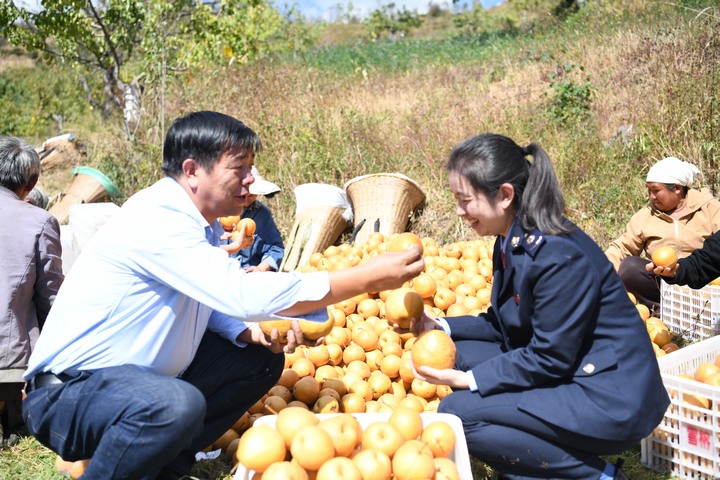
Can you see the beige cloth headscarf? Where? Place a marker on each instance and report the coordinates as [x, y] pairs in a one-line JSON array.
[[673, 170]]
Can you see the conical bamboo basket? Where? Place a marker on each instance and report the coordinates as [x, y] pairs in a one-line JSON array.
[[88, 186], [317, 225], [382, 202]]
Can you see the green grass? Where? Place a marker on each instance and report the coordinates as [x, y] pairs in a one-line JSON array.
[[400, 56], [28, 460]]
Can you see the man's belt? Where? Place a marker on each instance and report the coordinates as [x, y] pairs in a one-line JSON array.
[[45, 379]]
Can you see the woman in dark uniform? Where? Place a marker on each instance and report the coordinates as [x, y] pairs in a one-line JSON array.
[[560, 370]]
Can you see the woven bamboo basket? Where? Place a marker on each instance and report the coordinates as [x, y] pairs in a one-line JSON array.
[[382, 202], [321, 217], [88, 186], [315, 229]]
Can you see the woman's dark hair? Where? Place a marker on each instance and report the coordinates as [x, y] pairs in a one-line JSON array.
[[489, 160], [205, 137]]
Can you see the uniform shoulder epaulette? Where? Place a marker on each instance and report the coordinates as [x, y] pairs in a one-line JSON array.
[[532, 241]]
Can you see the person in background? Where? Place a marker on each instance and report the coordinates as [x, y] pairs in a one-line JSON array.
[[697, 269], [676, 216], [38, 198], [152, 349], [233, 246], [30, 273], [540, 379], [268, 249]]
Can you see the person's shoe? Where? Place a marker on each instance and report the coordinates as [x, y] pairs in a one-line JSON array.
[[12, 440], [9, 441]]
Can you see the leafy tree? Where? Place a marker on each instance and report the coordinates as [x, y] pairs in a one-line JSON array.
[[387, 20], [340, 13], [113, 37], [297, 35], [477, 21], [99, 36], [571, 101], [237, 30]]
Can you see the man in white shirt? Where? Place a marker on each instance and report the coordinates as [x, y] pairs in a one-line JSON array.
[[150, 352]]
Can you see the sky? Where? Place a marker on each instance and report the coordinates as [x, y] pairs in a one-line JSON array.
[[330, 9]]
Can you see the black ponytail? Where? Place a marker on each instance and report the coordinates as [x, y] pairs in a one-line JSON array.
[[543, 204], [489, 160]]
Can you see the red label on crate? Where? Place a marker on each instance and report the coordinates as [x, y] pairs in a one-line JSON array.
[[697, 440]]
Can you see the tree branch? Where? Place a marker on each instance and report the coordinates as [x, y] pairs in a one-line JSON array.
[[88, 93], [106, 34]]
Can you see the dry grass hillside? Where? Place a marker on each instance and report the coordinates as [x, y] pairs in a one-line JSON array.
[[651, 66], [655, 79]]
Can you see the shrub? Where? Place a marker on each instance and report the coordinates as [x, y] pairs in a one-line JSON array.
[[570, 101]]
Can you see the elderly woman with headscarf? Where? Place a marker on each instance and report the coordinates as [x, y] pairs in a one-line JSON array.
[[677, 216]]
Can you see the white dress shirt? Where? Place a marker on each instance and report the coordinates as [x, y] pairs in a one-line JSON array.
[[149, 284]]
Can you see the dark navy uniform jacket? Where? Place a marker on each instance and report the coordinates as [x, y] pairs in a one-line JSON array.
[[575, 344], [700, 267]]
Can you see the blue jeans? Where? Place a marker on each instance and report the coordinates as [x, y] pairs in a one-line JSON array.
[[136, 424]]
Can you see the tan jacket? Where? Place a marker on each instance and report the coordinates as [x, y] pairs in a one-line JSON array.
[[650, 229]]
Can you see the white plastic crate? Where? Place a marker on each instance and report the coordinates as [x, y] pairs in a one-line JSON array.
[[459, 455], [686, 444], [694, 314]]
